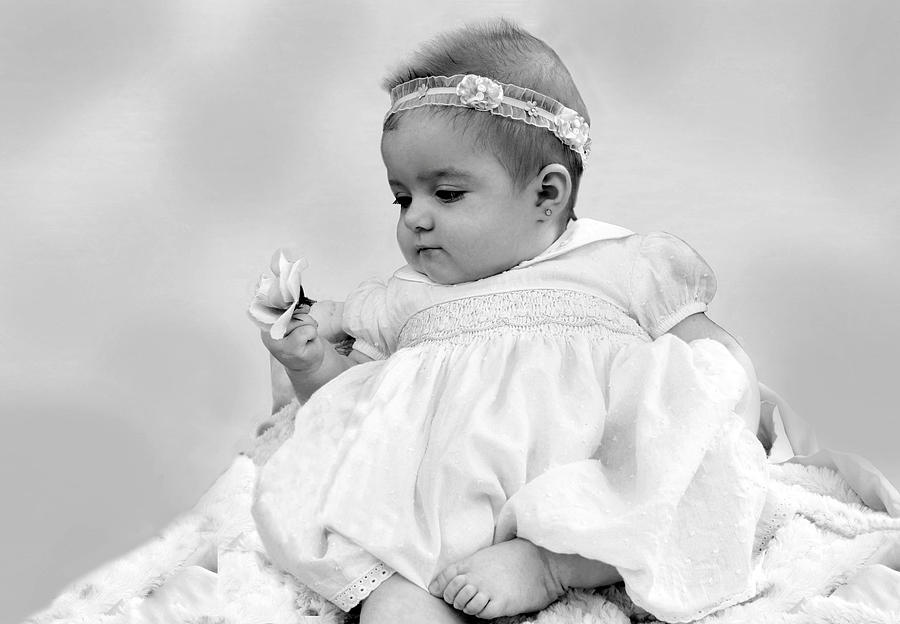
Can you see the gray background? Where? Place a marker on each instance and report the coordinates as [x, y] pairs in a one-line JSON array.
[[152, 154]]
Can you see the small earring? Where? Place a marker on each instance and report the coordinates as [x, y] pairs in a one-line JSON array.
[[548, 212]]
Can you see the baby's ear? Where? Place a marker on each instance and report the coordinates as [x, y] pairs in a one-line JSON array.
[[554, 188]]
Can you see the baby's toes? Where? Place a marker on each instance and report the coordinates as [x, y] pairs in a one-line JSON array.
[[456, 584], [437, 586], [477, 604], [464, 596], [493, 608]]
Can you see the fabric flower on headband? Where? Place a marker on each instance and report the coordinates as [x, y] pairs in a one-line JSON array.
[[279, 295], [573, 130], [479, 92]]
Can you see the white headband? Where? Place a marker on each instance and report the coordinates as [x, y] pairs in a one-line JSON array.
[[497, 98]]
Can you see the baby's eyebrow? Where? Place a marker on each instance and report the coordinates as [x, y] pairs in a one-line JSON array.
[[440, 174]]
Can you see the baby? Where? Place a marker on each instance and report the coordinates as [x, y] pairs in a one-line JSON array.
[[533, 402]]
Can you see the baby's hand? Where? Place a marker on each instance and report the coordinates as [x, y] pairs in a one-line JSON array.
[[301, 350]]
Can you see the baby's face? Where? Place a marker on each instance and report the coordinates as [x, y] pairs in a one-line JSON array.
[[462, 216]]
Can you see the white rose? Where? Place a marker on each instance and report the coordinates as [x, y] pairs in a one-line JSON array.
[[278, 295]]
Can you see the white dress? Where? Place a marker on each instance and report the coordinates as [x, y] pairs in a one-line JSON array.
[[540, 402]]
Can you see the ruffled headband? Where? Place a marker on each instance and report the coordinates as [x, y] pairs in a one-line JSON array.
[[497, 98]]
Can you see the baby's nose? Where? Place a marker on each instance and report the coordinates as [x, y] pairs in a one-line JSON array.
[[418, 216]]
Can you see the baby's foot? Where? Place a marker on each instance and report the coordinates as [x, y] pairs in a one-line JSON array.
[[504, 579]]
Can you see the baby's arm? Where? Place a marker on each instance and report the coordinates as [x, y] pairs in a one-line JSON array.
[[699, 326], [306, 352]]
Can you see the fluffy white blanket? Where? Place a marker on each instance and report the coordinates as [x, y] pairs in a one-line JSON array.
[[820, 565]]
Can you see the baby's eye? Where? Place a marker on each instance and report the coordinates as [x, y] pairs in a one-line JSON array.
[[402, 201], [448, 196]]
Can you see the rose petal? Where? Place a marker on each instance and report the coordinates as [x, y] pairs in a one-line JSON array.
[[278, 258], [293, 280], [264, 286], [262, 314], [267, 293], [279, 327], [284, 270], [270, 294]]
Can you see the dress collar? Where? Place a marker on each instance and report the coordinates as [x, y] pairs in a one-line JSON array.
[[578, 234]]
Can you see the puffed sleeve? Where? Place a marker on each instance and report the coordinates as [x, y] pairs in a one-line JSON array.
[[369, 319], [669, 281]]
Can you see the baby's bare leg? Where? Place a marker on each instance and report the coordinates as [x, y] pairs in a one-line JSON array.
[[398, 601], [516, 577]]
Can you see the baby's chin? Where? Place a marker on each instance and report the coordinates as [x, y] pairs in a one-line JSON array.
[[438, 278], [433, 270], [441, 268], [441, 277]]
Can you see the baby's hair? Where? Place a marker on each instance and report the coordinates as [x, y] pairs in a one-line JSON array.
[[503, 51]]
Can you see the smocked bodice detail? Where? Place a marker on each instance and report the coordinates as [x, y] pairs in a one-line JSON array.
[[547, 311]]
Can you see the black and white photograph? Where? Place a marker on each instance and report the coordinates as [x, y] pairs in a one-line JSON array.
[[535, 312]]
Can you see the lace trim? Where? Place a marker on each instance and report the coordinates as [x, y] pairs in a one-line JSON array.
[[359, 590], [775, 515], [557, 311], [497, 98]]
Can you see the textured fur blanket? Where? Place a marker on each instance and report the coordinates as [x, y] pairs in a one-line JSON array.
[[820, 565]]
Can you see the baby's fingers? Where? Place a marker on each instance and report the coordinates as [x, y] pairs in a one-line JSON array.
[[301, 334], [301, 320], [297, 334], [301, 310]]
